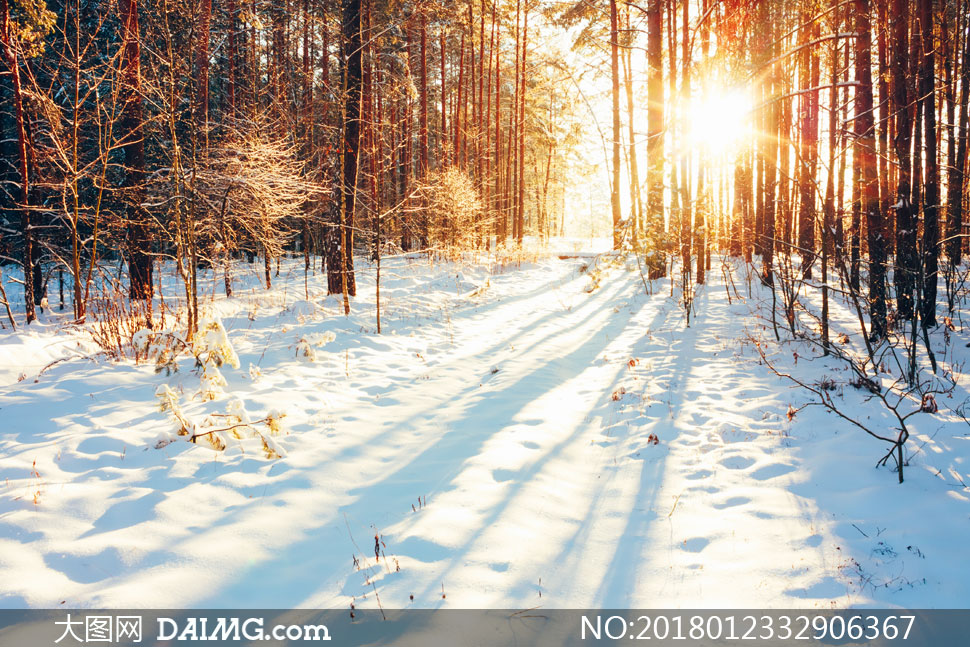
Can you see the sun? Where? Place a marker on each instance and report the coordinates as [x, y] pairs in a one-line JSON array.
[[718, 120]]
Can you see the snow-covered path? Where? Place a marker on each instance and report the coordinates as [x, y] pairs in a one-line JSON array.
[[500, 446]]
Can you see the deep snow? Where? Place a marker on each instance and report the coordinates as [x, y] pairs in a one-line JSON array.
[[497, 438]]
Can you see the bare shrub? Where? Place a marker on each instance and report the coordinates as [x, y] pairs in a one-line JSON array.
[[116, 319], [453, 210], [254, 189]]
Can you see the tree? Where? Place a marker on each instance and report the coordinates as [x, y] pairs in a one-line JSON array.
[[343, 281], [931, 188], [655, 138], [13, 66], [140, 260], [615, 77], [864, 153], [905, 221], [958, 161], [808, 156]]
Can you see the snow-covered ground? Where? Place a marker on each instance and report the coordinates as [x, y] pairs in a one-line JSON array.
[[510, 439]]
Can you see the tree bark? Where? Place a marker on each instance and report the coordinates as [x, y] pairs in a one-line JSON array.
[[615, 76], [520, 199], [864, 151], [808, 157], [656, 263], [132, 133], [202, 70], [956, 175], [902, 140], [931, 187], [344, 280]]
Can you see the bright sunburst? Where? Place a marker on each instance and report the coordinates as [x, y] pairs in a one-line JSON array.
[[719, 120]]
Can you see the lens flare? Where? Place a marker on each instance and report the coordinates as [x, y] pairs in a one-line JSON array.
[[719, 120]]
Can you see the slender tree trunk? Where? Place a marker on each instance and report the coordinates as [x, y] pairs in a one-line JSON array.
[[636, 201], [828, 211], [26, 224], [13, 66], [770, 164], [520, 200], [139, 255], [496, 158], [615, 75], [686, 201], [865, 148], [202, 71], [481, 125], [808, 118], [343, 281], [656, 263], [443, 143], [956, 175], [905, 220], [885, 127], [232, 55], [456, 120], [423, 75], [931, 187]]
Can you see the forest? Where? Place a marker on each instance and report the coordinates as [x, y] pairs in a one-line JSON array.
[[671, 291]]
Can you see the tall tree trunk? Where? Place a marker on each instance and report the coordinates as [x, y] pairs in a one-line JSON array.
[[342, 253], [423, 89], [202, 71], [636, 201], [496, 157], [29, 262], [13, 67], [615, 76], [956, 175], [445, 158], [885, 127], [686, 202], [905, 220], [808, 118], [232, 54], [520, 200], [931, 187], [278, 12], [865, 149], [481, 125], [656, 263], [770, 161], [828, 208], [131, 127]]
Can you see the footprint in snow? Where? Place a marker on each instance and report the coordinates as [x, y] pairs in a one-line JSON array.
[[737, 462], [502, 476], [695, 544], [700, 474], [772, 471], [732, 502]]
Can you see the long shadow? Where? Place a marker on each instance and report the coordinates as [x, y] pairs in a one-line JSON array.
[[450, 451], [620, 577], [440, 461], [474, 390], [604, 405]]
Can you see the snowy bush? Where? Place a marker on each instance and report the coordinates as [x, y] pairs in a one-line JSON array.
[[305, 347], [212, 341], [220, 431], [167, 398], [211, 382]]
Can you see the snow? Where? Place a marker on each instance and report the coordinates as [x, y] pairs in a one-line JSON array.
[[511, 439]]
